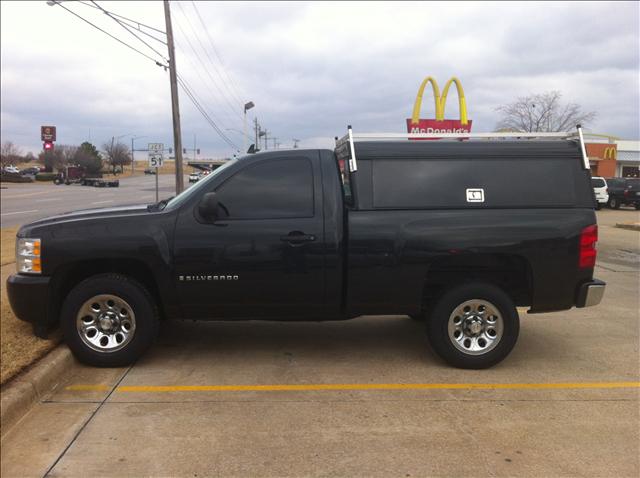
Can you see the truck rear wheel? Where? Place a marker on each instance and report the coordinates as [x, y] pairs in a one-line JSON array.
[[109, 320], [473, 326], [614, 203]]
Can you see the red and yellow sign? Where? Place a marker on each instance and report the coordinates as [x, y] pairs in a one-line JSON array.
[[602, 151], [439, 125]]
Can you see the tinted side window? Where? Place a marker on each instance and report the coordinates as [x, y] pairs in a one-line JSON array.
[[598, 183], [276, 188]]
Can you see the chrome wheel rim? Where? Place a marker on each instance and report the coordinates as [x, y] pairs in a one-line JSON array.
[[475, 327], [106, 323]]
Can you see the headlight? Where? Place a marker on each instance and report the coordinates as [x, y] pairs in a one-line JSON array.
[[28, 256]]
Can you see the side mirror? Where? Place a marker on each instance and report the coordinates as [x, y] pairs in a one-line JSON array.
[[208, 206]]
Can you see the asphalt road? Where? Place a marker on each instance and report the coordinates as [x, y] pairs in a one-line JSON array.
[[23, 203], [364, 397]]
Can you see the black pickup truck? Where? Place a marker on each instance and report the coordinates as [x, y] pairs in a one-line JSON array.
[[458, 233]]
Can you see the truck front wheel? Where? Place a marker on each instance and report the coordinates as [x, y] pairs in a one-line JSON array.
[[109, 320], [473, 326]]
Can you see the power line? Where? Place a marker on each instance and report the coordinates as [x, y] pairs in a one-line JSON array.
[[215, 50], [109, 34], [203, 112], [208, 90], [194, 99], [110, 15], [232, 108], [224, 82], [124, 18], [192, 96]]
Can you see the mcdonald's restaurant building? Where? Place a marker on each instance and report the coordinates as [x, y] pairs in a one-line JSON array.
[[619, 158]]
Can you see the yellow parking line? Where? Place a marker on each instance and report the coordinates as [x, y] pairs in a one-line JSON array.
[[355, 386]]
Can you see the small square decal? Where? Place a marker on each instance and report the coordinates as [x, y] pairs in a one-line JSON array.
[[475, 195]]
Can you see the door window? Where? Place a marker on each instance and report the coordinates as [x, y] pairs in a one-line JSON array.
[[272, 189]]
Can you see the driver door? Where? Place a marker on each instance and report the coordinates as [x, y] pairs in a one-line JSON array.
[[263, 256]]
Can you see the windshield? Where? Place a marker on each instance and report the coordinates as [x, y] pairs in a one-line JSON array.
[[190, 192]]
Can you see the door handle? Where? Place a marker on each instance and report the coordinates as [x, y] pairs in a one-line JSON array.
[[297, 237]]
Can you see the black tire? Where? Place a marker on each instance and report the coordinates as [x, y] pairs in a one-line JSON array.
[[637, 206], [438, 331], [57, 181], [613, 203], [598, 206], [135, 295]]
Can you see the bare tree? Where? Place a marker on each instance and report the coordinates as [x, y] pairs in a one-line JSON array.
[[62, 155], [53, 160], [9, 153], [68, 153], [118, 154], [542, 113]]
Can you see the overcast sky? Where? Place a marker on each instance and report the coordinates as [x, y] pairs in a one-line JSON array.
[[310, 68]]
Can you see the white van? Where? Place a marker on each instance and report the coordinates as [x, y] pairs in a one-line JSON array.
[[600, 190]]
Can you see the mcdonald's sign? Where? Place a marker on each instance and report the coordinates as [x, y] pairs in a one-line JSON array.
[[602, 151], [610, 153], [439, 125]]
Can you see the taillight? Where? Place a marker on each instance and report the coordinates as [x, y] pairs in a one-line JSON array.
[[588, 239], [626, 193]]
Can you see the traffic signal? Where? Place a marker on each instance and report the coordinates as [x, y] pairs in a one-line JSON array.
[[48, 145], [184, 150]]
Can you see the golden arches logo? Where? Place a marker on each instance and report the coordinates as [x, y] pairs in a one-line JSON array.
[[610, 153], [440, 101]]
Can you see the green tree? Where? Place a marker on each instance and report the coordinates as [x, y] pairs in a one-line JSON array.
[[88, 157]]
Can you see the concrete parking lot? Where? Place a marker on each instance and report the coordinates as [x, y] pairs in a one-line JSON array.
[[365, 397], [23, 203]]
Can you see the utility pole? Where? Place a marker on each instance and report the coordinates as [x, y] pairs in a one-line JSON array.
[[113, 165], [295, 142], [175, 107], [275, 144], [266, 144]]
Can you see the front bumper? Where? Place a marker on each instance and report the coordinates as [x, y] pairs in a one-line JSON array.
[[29, 297], [590, 293]]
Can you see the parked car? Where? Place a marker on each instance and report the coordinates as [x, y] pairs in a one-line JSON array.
[[194, 177], [149, 171], [623, 192], [30, 171], [11, 169], [599, 186], [459, 232]]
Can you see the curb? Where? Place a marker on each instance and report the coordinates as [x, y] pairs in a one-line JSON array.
[[26, 389], [632, 226]]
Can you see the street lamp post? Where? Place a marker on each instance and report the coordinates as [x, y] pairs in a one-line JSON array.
[[247, 106]]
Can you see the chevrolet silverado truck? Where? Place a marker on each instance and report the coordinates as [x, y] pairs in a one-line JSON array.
[[457, 232]]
